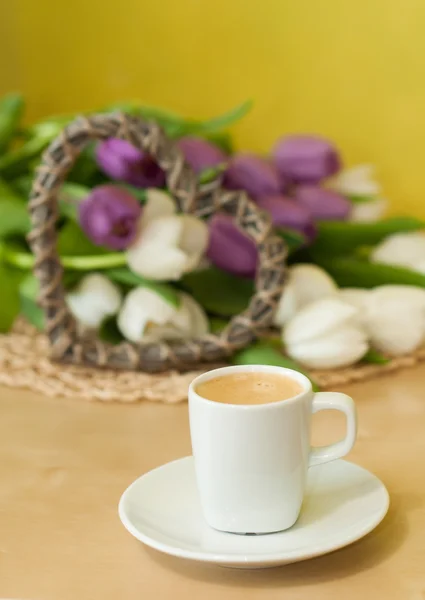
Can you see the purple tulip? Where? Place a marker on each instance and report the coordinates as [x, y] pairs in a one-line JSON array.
[[323, 204], [306, 159], [285, 212], [109, 216], [230, 249], [121, 160], [201, 154], [254, 174]]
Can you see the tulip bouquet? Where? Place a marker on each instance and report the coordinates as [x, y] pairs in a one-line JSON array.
[[136, 269]]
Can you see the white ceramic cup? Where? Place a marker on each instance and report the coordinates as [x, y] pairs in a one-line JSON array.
[[251, 460]]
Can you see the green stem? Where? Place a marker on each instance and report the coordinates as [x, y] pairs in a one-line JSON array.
[[25, 260]]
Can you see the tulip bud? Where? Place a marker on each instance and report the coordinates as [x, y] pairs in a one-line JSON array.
[[402, 249], [306, 159], [93, 300], [122, 161], [323, 204], [285, 212], [229, 248], [147, 316], [109, 216], [254, 174], [326, 335], [201, 154]]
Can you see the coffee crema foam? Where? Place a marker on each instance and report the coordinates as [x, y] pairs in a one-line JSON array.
[[249, 388]]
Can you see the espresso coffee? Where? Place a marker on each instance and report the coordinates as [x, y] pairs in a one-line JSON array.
[[249, 388]]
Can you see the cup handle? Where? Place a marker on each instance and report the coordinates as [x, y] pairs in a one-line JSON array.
[[345, 404]]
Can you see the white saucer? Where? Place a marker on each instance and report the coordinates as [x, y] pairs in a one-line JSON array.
[[343, 503]]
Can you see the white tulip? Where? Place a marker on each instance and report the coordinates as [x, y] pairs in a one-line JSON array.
[[368, 211], [93, 300], [395, 318], [357, 181], [168, 245], [402, 249], [306, 283], [147, 316], [326, 334]]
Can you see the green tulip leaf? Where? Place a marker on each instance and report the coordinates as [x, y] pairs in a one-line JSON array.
[[131, 280], [69, 197], [141, 194], [222, 139], [361, 199], [339, 237], [14, 217], [211, 173], [11, 109], [217, 324], [176, 126], [109, 331], [227, 119], [219, 292], [265, 352], [72, 241], [28, 293], [351, 272], [17, 162], [375, 358], [9, 306], [294, 239]]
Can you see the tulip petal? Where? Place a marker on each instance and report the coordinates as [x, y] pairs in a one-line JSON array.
[[194, 315], [368, 212], [286, 212], [311, 283], [339, 349], [229, 248], [400, 294], [254, 174], [194, 239], [141, 307], [396, 328], [201, 154], [158, 204], [323, 204], [319, 319], [357, 181], [357, 297], [94, 299], [158, 262], [403, 249], [109, 216], [287, 306], [306, 158], [156, 254]]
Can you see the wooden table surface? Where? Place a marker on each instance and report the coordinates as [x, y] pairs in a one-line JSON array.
[[64, 465]]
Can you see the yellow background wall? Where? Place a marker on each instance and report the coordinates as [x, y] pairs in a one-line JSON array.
[[353, 70]]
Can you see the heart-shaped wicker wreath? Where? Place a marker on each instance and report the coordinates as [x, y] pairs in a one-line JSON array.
[[201, 200]]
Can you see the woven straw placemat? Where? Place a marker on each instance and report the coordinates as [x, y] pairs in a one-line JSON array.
[[25, 363]]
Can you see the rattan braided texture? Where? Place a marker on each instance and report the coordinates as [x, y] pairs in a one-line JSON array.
[[191, 197], [25, 363]]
